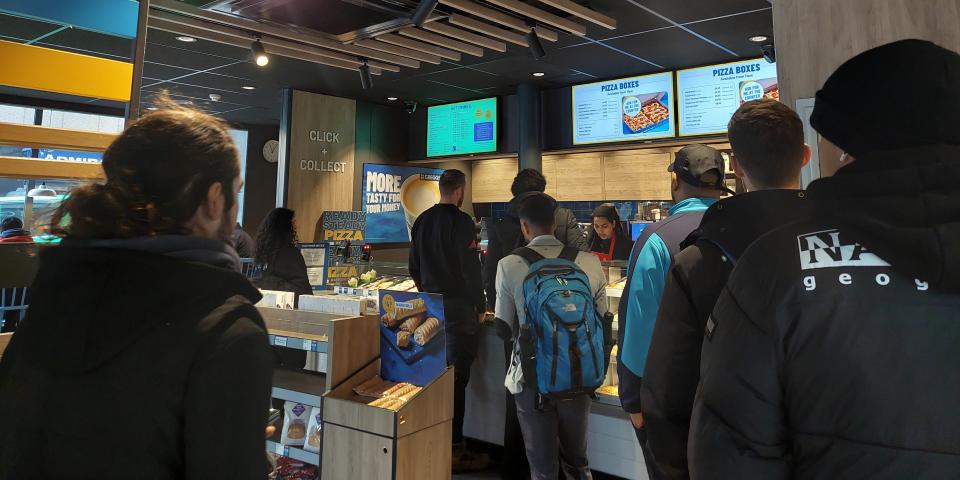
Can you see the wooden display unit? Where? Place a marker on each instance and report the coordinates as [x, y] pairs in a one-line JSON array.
[[412, 443]]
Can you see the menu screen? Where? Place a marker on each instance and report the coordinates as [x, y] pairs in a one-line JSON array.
[[708, 96], [462, 128], [635, 108]]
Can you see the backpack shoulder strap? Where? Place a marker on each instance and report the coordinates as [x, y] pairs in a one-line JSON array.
[[569, 253], [528, 254]]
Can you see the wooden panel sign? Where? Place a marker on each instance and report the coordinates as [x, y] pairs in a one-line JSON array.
[[637, 176], [492, 180], [321, 161], [579, 177]]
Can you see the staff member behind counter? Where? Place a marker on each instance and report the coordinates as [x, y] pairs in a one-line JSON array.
[[609, 240]]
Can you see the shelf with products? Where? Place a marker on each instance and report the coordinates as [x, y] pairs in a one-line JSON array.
[[295, 453]]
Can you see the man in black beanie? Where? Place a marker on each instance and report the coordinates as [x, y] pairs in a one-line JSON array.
[[833, 351]]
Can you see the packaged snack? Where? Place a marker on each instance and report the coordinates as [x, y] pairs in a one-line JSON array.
[[314, 432], [295, 419]]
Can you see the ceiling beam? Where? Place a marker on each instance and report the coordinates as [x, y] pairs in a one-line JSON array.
[[463, 35], [541, 16], [315, 39], [423, 47], [487, 29], [585, 13], [398, 50], [442, 41], [501, 18], [239, 39]]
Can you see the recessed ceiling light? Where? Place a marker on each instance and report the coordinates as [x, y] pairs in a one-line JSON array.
[[248, 87], [538, 74], [392, 98], [184, 38], [151, 108], [759, 38]]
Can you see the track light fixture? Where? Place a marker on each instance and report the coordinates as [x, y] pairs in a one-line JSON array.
[[366, 80], [423, 11], [259, 54], [533, 41]]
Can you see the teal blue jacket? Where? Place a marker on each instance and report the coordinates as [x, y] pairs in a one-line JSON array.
[[647, 274]]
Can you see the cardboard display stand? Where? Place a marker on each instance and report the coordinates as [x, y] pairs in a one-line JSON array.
[[413, 442]]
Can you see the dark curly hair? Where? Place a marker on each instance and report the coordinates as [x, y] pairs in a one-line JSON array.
[[276, 232], [158, 171]]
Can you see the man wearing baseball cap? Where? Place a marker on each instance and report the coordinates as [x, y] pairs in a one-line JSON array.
[[696, 183], [833, 350]]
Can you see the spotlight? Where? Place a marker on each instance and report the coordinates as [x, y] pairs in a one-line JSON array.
[[423, 11], [392, 99], [366, 80], [184, 38], [769, 53], [248, 87], [259, 54], [536, 47], [758, 38], [215, 97], [538, 74]]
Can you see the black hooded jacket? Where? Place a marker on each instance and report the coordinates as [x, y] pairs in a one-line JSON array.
[[505, 236], [833, 350], [136, 363], [697, 276]]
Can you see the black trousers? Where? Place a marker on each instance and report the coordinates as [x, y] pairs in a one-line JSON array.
[[514, 465], [463, 330], [652, 471]]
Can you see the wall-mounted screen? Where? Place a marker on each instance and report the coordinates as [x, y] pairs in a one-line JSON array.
[[635, 108], [462, 128], [708, 96]]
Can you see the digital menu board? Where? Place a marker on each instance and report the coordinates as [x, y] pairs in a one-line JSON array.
[[635, 108], [708, 96], [462, 128]]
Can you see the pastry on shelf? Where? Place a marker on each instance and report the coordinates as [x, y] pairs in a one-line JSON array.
[[611, 390], [426, 331], [374, 387], [403, 339]]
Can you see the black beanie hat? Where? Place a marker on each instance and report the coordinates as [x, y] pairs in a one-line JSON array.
[[900, 95]]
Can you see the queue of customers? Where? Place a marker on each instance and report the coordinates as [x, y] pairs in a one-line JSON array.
[[778, 333]]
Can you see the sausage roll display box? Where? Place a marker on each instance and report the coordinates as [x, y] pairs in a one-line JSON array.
[[406, 438]]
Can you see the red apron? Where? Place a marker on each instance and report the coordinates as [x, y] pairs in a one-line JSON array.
[[607, 257]]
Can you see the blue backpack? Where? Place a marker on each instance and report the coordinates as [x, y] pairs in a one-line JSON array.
[[561, 340]]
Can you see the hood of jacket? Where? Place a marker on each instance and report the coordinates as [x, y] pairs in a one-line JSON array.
[[903, 205], [736, 222], [14, 232], [88, 302]]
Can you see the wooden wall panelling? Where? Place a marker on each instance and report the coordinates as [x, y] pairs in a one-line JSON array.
[[549, 169], [636, 175], [579, 177], [814, 37], [321, 163], [492, 179]]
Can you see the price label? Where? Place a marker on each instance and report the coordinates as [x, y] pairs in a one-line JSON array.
[[279, 449], [280, 341]]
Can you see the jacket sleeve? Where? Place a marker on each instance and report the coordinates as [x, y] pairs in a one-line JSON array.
[[647, 276], [494, 254], [413, 263], [738, 429], [670, 377], [227, 398], [470, 262], [568, 231]]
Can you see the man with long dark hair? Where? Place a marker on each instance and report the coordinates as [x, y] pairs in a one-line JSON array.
[[143, 355]]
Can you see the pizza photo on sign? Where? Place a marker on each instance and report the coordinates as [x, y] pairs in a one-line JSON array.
[[645, 113]]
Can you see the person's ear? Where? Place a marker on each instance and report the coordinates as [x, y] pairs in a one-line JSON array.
[[674, 182], [212, 208], [807, 155], [735, 166]]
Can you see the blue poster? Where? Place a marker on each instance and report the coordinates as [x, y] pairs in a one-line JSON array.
[[394, 196], [413, 345], [70, 155]]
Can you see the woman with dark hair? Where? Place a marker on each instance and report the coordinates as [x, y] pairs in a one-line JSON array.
[[277, 256], [608, 239]]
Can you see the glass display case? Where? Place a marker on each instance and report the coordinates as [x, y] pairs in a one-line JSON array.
[[615, 274]]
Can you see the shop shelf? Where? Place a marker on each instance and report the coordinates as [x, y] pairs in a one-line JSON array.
[[299, 341], [295, 453], [301, 387]]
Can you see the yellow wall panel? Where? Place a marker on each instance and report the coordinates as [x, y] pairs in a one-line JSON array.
[[49, 70]]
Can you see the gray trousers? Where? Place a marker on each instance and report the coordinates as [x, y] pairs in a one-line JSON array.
[[555, 436]]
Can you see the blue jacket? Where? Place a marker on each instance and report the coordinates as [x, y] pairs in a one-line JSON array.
[[649, 264]]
